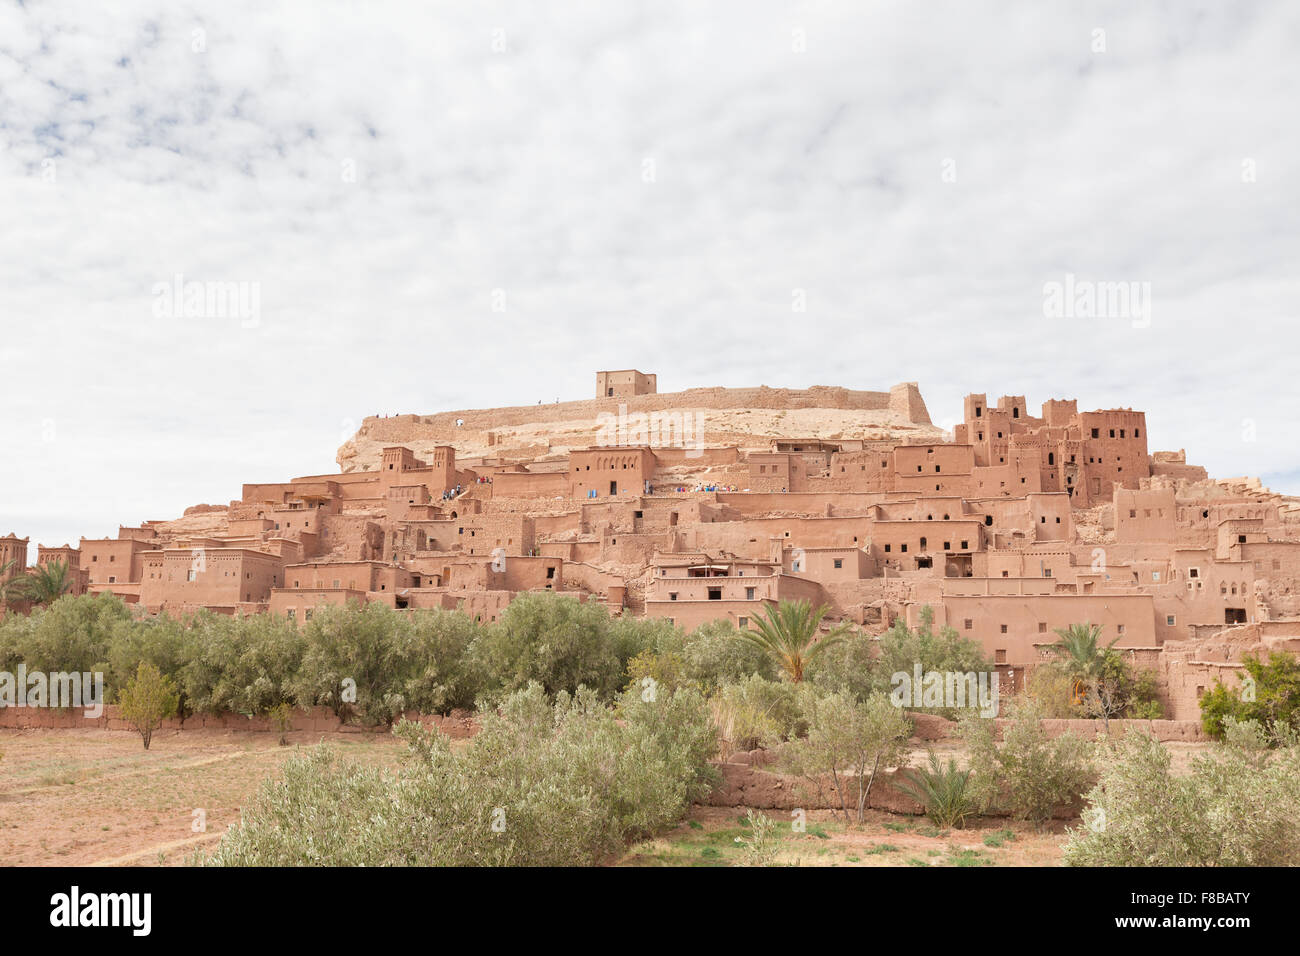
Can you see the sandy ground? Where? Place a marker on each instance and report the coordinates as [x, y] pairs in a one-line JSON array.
[[97, 797]]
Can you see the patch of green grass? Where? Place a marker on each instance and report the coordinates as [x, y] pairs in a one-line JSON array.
[[931, 832], [695, 825], [999, 838], [969, 858], [897, 827], [913, 861], [819, 832], [711, 853], [877, 848]]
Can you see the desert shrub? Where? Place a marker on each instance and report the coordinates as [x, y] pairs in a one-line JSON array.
[[901, 648], [362, 652], [1239, 805], [207, 652], [72, 634], [847, 667], [1051, 691], [555, 641], [1030, 774], [545, 783], [948, 795], [159, 641], [663, 671], [261, 666], [441, 676], [762, 847], [849, 739], [1276, 694], [713, 656], [756, 712], [147, 700], [633, 636]]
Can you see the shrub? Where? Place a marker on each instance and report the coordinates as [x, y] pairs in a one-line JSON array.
[[551, 640], [756, 712], [848, 739], [947, 793], [440, 675], [1276, 694], [357, 662], [1239, 805], [147, 700], [712, 656], [848, 667], [1030, 774], [901, 648], [545, 783], [761, 848]]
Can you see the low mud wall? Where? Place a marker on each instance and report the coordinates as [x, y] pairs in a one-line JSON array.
[[929, 727]]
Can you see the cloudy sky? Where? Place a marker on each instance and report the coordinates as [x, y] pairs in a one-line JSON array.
[[430, 206]]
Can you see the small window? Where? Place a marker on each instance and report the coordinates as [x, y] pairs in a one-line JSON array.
[[1002, 628], [968, 624]]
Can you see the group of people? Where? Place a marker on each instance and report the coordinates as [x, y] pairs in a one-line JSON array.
[[451, 493]]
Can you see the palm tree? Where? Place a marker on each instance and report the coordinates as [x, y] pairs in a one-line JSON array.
[[9, 587], [1082, 657], [44, 584], [788, 633], [1079, 652]]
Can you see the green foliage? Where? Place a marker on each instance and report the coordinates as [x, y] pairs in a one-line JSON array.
[[147, 700], [948, 794], [555, 641], [790, 635], [756, 712], [358, 661], [1276, 692], [847, 739], [545, 783], [761, 848], [848, 667], [1030, 774], [712, 656], [1239, 805], [72, 634], [943, 650], [41, 585]]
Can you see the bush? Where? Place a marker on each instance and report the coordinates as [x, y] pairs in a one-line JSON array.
[[712, 657], [849, 667], [1276, 695], [554, 641], [945, 650], [147, 700], [847, 739], [1239, 805], [545, 783], [441, 676], [1030, 775], [357, 662], [948, 795], [756, 712]]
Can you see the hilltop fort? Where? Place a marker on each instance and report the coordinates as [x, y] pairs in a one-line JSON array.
[[711, 502]]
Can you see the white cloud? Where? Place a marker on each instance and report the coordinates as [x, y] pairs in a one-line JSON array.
[[522, 170]]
